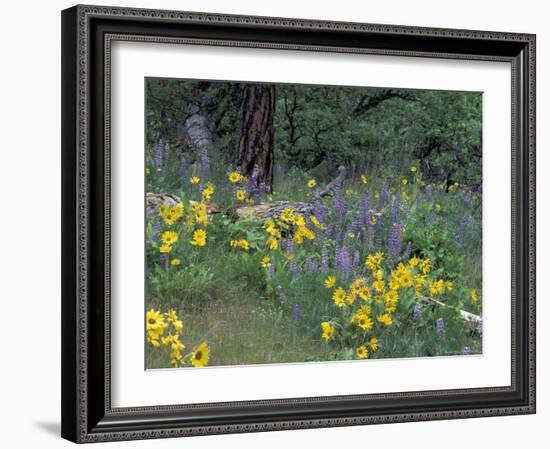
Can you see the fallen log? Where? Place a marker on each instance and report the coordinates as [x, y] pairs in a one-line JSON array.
[[467, 316], [155, 200]]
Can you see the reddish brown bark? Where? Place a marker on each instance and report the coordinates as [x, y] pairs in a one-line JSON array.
[[255, 147]]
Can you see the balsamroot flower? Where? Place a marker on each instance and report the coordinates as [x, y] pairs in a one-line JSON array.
[[201, 355]]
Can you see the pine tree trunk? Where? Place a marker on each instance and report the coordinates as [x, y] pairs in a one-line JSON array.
[[255, 147]]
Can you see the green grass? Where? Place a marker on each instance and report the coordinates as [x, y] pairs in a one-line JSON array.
[[245, 329]]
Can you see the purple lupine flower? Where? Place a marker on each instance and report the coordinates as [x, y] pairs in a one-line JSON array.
[[395, 209], [339, 202], [327, 233], [253, 186], [366, 213], [297, 312], [158, 155], [309, 264], [281, 293], [294, 269], [417, 312], [320, 211], [343, 260], [355, 226], [440, 327], [271, 271], [466, 350], [384, 195], [394, 240], [324, 260], [163, 260]]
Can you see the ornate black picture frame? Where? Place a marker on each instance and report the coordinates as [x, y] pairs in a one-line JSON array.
[[87, 34]]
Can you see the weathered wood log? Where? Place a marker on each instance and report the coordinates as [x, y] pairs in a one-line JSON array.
[[273, 209], [155, 200], [467, 316], [334, 184]]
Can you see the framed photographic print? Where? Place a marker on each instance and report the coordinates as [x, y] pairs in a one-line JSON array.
[[276, 224]]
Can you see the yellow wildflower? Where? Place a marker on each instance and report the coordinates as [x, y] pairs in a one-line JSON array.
[[317, 223], [362, 352], [436, 287], [288, 216], [426, 266], [165, 249], [207, 192], [242, 243], [234, 177], [178, 326], [155, 320], [363, 321], [169, 237], [265, 262], [199, 238], [339, 297], [437, 207], [364, 293], [175, 262], [272, 243], [413, 169], [311, 183], [378, 285], [473, 295], [330, 282], [201, 355], [385, 319], [240, 194], [328, 330], [373, 343], [194, 180], [404, 181], [363, 179]]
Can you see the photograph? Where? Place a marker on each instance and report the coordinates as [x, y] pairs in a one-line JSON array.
[[296, 223]]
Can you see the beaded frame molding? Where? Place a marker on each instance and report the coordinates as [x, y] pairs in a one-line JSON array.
[[87, 34]]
